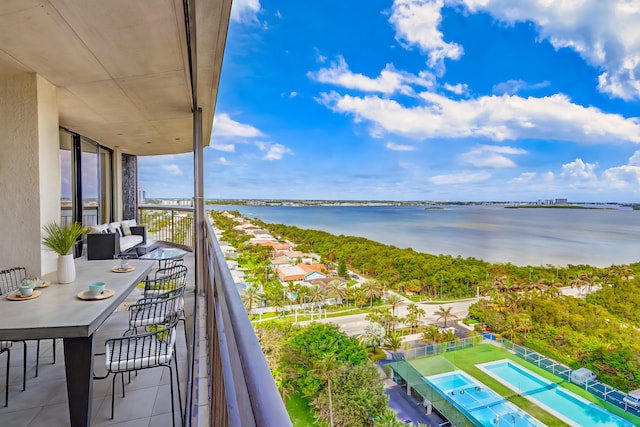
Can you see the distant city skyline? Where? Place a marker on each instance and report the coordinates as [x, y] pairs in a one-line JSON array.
[[422, 100]]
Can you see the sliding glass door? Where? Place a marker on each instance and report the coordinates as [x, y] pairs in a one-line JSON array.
[[86, 170]]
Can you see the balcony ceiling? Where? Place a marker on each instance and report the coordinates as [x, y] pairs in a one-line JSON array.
[[121, 66]]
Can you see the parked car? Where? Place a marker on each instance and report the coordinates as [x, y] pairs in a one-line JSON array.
[[355, 277]]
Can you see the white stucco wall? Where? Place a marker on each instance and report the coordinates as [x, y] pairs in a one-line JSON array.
[[49, 158], [29, 170]]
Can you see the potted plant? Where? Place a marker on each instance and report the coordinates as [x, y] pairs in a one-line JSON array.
[[61, 239]]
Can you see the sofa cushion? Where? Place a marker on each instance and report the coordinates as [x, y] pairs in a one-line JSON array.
[[115, 227], [126, 226], [127, 242]]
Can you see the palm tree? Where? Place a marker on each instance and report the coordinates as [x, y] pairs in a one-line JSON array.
[[251, 296], [315, 293], [584, 281], [393, 341], [347, 290], [523, 323], [445, 313], [431, 334], [335, 289], [419, 312], [411, 319], [327, 368], [394, 300], [500, 283], [372, 290]]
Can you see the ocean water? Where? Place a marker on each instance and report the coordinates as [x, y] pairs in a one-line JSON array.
[[599, 237]]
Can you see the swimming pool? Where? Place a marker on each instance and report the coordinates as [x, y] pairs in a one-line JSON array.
[[478, 403], [565, 405]]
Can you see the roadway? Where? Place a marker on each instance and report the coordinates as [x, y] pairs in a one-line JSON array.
[[354, 324]]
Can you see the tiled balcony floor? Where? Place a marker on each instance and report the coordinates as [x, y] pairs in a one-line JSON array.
[[44, 403]]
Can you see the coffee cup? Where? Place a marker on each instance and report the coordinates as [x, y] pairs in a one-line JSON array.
[[96, 287], [25, 291]]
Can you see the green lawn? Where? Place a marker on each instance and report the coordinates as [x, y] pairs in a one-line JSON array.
[[300, 413], [466, 360]]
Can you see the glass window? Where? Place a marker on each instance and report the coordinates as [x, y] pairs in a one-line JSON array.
[[90, 182], [67, 182], [106, 185]]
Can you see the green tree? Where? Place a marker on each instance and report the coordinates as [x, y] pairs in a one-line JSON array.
[[251, 297], [336, 289], [315, 293], [327, 368], [309, 345], [445, 314], [432, 334], [357, 395], [394, 300], [371, 289], [342, 269], [393, 341], [373, 335]]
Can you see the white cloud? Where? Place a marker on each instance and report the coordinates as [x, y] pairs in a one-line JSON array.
[[278, 14], [622, 178], [293, 94], [524, 178], [604, 33], [173, 169], [580, 175], [494, 117], [458, 89], [320, 57], [245, 11], [223, 161], [460, 178], [276, 152], [511, 87], [225, 127], [634, 160], [491, 156], [399, 147], [389, 81], [229, 148], [416, 23]]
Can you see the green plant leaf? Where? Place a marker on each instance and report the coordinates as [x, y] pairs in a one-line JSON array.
[[61, 238]]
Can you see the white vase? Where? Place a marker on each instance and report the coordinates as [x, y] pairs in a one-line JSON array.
[[66, 269]]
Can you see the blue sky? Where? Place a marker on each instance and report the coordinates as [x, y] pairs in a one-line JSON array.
[[422, 100]]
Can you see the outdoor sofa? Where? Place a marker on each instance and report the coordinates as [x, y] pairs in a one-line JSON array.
[[108, 240]]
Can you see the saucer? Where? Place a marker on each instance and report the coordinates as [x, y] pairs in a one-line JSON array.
[[18, 296], [123, 270], [43, 284], [91, 296]]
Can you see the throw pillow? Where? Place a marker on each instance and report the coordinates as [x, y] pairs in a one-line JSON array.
[[126, 226]]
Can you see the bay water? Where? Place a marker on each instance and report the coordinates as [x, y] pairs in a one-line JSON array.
[[599, 237]]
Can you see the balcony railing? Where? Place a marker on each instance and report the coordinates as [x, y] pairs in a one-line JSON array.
[[168, 223], [241, 390]]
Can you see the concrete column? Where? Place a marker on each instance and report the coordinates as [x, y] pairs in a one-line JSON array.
[[129, 187], [427, 404], [29, 170], [408, 390]]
